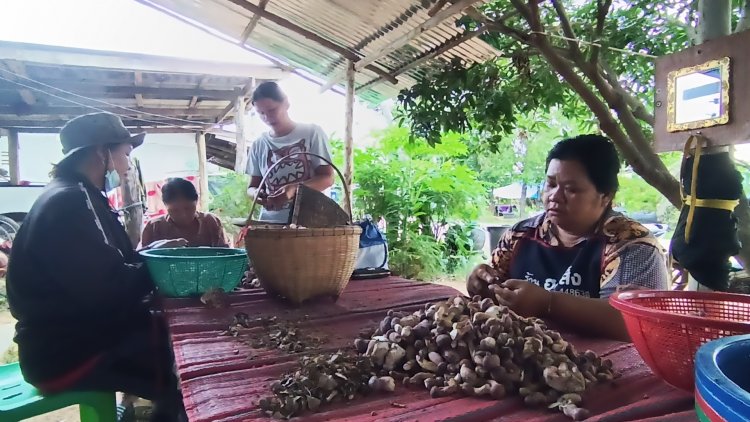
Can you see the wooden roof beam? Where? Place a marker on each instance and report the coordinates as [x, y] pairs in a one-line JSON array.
[[253, 23], [436, 7], [448, 45], [65, 56], [39, 111], [472, 12], [284, 23], [19, 69], [246, 91], [128, 121], [403, 40], [131, 91]]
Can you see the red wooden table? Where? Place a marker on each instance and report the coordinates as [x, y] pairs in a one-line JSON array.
[[223, 377]]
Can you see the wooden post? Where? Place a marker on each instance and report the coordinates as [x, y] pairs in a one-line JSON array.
[[200, 140], [13, 153], [240, 107], [348, 131], [132, 204]]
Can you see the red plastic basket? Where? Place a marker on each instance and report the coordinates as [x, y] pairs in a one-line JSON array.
[[668, 327]]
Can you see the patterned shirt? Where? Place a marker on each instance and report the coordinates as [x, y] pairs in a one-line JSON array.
[[210, 231], [632, 257]]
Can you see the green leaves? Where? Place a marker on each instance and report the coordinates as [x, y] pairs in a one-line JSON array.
[[416, 188]]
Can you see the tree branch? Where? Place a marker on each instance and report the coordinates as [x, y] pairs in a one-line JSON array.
[[602, 10], [567, 29], [640, 161], [523, 9], [744, 23], [639, 109]]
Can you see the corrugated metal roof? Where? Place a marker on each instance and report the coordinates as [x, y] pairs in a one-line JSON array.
[[363, 27]]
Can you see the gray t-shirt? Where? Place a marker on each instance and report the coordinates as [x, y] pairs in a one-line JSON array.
[[267, 150]]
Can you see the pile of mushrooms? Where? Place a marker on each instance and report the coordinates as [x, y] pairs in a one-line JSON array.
[[321, 380], [275, 334], [477, 348]]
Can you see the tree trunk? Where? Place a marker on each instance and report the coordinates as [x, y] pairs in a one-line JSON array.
[[522, 201], [744, 23], [715, 19]]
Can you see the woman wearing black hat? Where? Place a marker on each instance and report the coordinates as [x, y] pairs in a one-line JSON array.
[[77, 287]]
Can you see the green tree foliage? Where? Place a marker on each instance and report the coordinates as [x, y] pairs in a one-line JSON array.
[[540, 70], [524, 160], [229, 198], [416, 189]]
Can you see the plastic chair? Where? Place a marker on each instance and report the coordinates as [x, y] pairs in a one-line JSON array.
[[20, 400]]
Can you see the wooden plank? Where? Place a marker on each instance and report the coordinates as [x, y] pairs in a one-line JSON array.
[[405, 39], [19, 70], [247, 90], [65, 56], [253, 22], [132, 129], [737, 131], [200, 140], [131, 91], [436, 7], [278, 20], [349, 132], [45, 112], [14, 149], [240, 106], [128, 121], [138, 79]]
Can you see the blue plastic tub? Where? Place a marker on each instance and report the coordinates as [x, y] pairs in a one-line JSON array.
[[722, 377]]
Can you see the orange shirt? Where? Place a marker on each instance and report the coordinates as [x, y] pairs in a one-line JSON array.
[[209, 231]]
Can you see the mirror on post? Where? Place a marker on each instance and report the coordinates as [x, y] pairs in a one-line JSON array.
[[698, 96]]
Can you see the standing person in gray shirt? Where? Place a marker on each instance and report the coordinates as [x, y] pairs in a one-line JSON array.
[[285, 137]]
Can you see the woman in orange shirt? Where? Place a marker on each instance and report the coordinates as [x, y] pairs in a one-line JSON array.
[[183, 220]]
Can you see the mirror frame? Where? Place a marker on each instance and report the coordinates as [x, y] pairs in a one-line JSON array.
[[723, 66]]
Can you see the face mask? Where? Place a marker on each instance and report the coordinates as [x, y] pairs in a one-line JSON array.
[[111, 180]]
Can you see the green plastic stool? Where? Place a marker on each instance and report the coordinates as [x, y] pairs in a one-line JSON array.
[[20, 400]]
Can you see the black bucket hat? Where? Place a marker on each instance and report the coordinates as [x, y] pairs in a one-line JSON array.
[[95, 129]]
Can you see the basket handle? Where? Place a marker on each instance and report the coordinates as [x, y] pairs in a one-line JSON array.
[[287, 157]]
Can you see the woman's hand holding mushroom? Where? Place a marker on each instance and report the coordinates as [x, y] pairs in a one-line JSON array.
[[479, 280], [524, 298]]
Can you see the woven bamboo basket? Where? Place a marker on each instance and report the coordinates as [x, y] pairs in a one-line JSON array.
[[299, 264]]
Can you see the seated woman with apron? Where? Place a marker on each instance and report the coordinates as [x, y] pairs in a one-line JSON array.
[[563, 264]]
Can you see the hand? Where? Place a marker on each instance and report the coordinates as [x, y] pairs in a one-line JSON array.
[[281, 197], [259, 193], [168, 243], [526, 299], [479, 279]]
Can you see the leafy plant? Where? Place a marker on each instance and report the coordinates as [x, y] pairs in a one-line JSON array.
[[458, 246], [229, 198], [417, 189]]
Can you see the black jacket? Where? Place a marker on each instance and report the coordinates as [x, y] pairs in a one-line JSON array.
[[74, 282]]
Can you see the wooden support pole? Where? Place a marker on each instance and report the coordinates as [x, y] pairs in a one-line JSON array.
[[240, 108], [132, 204], [205, 199], [13, 157], [348, 131]]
